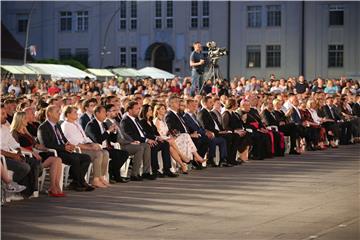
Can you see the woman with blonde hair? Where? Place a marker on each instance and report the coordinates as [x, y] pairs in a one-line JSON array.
[[146, 116], [183, 142], [27, 141]]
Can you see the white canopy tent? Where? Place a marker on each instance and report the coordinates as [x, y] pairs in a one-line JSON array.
[[58, 71], [101, 74], [156, 73]]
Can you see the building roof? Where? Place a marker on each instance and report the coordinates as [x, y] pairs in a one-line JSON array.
[[10, 48]]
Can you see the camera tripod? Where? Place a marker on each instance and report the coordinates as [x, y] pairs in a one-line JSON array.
[[212, 74]]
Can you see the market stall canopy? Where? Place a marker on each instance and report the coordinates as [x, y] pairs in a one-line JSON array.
[[156, 73], [127, 72], [58, 71], [101, 74], [18, 70]]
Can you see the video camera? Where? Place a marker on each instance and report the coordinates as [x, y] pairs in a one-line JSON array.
[[215, 52]]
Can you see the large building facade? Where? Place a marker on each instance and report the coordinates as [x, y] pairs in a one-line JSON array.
[[284, 38]]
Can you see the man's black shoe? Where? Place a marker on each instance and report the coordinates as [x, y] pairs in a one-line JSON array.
[[294, 153], [88, 188], [235, 163], [123, 179], [149, 176], [76, 188], [226, 164], [112, 181], [170, 174], [160, 175], [136, 178]]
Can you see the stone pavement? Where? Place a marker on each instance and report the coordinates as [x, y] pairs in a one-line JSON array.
[[312, 196]]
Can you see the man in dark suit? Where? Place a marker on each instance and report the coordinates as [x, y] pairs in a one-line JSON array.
[[339, 124], [140, 151], [51, 136], [206, 141], [175, 122], [356, 107], [207, 121], [132, 130], [88, 106], [100, 133]]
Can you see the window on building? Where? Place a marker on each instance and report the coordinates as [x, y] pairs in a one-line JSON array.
[[64, 53], [65, 21], [22, 20], [205, 14], [273, 56], [158, 22], [194, 14], [133, 57], [336, 15], [133, 15], [82, 21], [253, 56], [82, 55], [169, 14], [254, 16], [122, 56], [123, 15], [274, 16], [336, 55]]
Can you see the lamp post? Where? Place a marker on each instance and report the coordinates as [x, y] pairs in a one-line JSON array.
[[104, 51], [27, 32]]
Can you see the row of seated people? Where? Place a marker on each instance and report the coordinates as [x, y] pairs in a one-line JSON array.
[[180, 130]]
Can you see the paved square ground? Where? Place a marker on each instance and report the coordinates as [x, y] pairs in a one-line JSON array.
[[312, 196]]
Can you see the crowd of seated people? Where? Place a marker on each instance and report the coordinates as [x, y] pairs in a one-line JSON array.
[[159, 125]]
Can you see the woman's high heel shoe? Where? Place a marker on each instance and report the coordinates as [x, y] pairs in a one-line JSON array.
[[184, 169]]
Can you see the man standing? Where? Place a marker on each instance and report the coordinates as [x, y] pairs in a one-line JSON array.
[[197, 64]]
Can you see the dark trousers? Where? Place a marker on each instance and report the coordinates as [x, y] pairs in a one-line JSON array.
[[232, 143], [345, 136], [290, 130], [118, 158], [202, 145], [217, 141], [25, 173], [261, 145], [164, 147], [79, 164]]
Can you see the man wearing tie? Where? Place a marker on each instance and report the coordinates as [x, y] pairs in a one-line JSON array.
[[207, 139], [132, 130], [99, 133], [51, 136]]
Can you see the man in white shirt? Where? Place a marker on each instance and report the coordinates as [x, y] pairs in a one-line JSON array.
[[14, 88], [76, 136], [14, 161]]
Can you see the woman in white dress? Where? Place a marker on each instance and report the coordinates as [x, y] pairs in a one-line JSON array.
[[182, 144]]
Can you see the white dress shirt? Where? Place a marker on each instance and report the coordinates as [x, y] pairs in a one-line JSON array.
[[7, 140], [74, 133], [315, 116]]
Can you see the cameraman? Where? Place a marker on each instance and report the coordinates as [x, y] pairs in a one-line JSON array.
[[197, 64]]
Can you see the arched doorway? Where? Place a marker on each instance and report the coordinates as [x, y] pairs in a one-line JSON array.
[[161, 56]]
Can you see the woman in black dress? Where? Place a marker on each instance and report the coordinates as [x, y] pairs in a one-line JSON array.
[[232, 122]]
